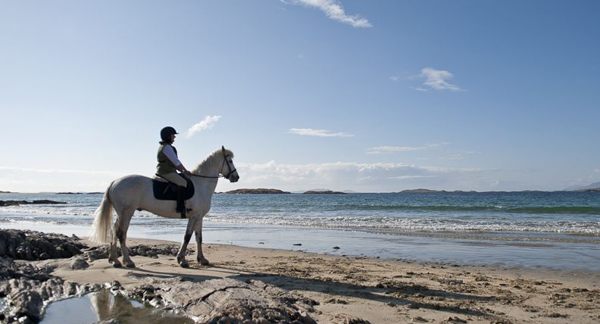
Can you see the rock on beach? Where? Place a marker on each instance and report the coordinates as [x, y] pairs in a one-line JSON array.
[[228, 301], [32, 245]]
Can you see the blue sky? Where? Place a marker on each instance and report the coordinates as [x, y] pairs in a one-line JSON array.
[[370, 96]]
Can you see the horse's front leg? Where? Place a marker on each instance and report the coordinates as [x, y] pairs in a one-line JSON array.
[[186, 239], [198, 230]]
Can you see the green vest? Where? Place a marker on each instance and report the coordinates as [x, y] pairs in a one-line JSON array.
[[164, 165]]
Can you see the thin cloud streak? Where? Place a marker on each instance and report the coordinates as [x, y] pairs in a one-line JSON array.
[[437, 80], [396, 149], [334, 10], [408, 177], [18, 179], [317, 132], [207, 123], [111, 173]]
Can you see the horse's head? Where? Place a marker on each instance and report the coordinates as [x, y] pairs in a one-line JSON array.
[[228, 169]]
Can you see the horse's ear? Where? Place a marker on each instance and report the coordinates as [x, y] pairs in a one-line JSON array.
[[223, 148]]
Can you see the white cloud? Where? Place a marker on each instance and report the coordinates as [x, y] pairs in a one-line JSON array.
[[207, 123], [394, 78], [334, 10], [437, 80], [396, 149], [317, 132], [362, 177]]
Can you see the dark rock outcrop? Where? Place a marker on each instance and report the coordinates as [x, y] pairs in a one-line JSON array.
[[27, 287], [32, 245], [24, 202], [257, 191]]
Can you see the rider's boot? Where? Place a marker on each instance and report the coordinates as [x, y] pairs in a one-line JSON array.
[[180, 200]]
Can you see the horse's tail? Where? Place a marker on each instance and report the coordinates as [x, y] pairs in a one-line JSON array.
[[101, 229]]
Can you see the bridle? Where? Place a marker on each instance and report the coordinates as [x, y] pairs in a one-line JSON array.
[[229, 167]]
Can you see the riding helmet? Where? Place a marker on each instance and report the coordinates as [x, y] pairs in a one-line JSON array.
[[165, 133]]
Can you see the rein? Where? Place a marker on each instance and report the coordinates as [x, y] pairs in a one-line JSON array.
[[203, 176]]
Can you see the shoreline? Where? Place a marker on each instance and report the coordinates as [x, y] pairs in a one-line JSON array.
[[439, 247], [416, 247]]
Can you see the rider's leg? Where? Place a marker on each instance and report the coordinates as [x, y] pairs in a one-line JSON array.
[[181, 186]]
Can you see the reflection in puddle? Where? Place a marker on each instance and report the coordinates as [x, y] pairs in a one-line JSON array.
[[103, 305]]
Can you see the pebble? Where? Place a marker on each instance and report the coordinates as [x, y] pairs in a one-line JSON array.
[[79, 264]]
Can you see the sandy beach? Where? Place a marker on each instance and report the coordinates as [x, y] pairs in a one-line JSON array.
[[361, 290]]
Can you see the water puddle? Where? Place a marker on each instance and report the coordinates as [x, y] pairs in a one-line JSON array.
[[102, 306]]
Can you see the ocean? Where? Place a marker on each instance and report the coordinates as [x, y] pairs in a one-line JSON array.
[[559, 230]]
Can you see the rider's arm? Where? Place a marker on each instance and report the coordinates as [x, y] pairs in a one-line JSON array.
[[182, 168], [170, 153]]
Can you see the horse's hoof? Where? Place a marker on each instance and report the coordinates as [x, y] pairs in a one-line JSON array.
[[117, 264], [130, 265], [184, 264], [204, 262]]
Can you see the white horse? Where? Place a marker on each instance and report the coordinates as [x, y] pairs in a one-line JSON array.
[[133, 192]]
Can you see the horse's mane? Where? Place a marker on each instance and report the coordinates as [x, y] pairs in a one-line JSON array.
[[214, 158]]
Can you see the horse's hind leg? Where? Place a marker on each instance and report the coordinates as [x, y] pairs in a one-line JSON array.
[[112, 249], [121, 234]]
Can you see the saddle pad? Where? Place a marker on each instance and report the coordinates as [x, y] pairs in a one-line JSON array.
[[168, 191]]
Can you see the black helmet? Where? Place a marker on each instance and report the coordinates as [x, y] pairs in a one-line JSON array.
[[165, 133]]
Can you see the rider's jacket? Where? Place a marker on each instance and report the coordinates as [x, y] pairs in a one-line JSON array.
[[167, 159]]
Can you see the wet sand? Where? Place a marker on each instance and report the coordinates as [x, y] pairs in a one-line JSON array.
[[377, 290]]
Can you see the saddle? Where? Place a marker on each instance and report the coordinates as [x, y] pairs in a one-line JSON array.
[[164, 190]]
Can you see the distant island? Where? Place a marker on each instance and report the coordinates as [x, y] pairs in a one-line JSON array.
[[592, 186], [79, 193], [434, 191], [430, 191], [5, 191], [323, 192], [589, 190], [261, 191]]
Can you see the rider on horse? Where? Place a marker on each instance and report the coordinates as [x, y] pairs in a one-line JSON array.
[[169, 164]]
